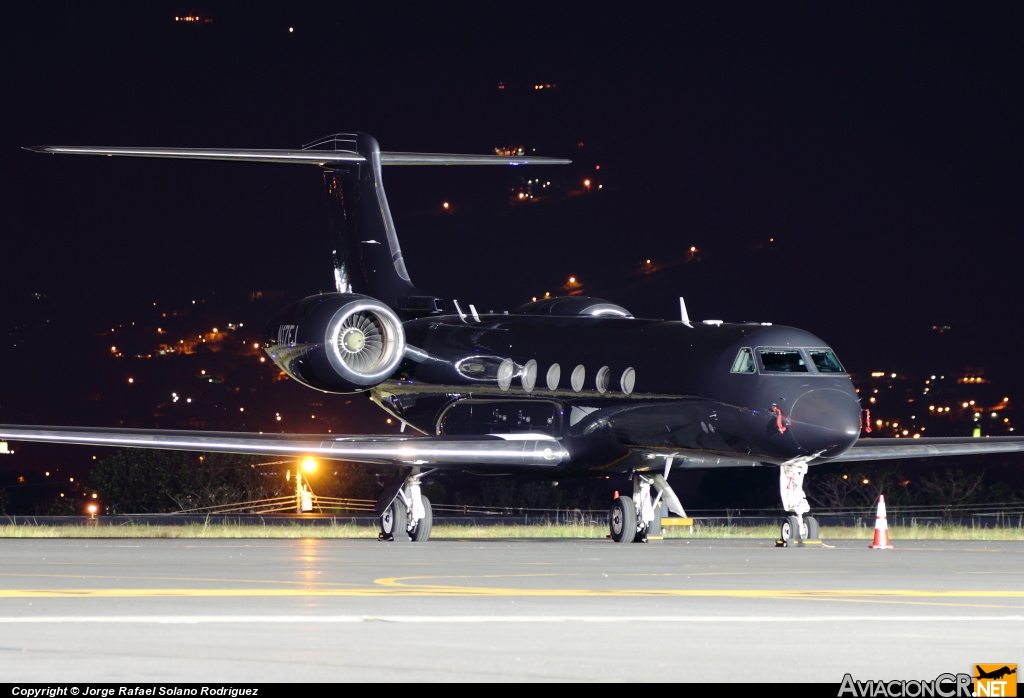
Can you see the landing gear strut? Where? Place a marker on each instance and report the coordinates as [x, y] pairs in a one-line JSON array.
[[409, 516], [633, 519], [796, 529]]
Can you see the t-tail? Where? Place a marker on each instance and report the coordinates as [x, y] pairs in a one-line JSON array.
[[367, 256]]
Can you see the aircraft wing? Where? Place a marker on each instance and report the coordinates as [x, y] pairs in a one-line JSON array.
[[888, 448], [435, 451]]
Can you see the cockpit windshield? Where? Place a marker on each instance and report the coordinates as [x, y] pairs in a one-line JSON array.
[[825, 361], [782, 361], [787, 360], [744, 362]]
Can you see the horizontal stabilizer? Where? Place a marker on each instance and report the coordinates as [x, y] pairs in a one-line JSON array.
[[309, 157], [301, 157], [435, 451], [387, 158]]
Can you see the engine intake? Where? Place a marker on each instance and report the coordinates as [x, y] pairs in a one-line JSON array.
[[337, 342]]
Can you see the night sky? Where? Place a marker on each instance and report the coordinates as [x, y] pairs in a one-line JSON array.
[[878, 144]]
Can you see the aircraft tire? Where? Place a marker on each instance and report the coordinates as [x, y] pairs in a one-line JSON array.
[[393, 522], [421, 529], [792, 531], [622, 520], [813, 530]]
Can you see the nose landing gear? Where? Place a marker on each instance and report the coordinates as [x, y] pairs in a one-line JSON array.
[[796, 530], [806, 526]]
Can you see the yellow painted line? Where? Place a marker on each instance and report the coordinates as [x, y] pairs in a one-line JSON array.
[[206, 580], [386, 589], [858, 619], [314, 580]]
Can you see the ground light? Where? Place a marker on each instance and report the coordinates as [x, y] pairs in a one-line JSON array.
[[303, 495]]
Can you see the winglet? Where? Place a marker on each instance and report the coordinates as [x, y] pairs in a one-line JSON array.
[[683, 315]]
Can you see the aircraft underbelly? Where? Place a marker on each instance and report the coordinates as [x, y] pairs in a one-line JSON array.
[[701, 426], [603, 436]]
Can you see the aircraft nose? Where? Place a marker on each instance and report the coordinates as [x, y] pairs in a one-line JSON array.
[[825, 420]]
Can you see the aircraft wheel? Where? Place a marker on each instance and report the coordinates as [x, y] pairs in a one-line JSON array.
[[622, 520], [813, 531], [421, 529], [789, 530], [393, 521]]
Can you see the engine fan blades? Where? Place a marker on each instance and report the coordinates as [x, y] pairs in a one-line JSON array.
[[361, 341]]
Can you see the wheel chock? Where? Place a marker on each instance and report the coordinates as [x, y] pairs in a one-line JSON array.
[[779, 543]]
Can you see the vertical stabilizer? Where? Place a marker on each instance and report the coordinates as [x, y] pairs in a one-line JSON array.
[[367, 256]]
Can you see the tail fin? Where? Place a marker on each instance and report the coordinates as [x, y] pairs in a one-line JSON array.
[[367, 256]]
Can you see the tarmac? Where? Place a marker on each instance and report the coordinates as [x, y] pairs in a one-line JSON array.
[[167, 611]]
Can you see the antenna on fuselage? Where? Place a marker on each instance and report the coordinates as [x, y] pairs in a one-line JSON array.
[[459, 310], [683, 315]]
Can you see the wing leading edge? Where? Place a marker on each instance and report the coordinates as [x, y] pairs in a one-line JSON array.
[[885, 449], [437, 452]]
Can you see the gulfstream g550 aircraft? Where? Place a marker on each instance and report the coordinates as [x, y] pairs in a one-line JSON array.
[[560, 387]]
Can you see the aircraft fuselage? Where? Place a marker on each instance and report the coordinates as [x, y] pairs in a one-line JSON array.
[[622, 391]]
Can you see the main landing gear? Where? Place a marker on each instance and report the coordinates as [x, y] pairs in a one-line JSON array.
[[797, 529], [409, 517], [633, 519], [622, 520]]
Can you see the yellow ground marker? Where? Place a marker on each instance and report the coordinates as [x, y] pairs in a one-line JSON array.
[[401, 587]]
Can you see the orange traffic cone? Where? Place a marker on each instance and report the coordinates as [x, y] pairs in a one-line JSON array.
[[881, 541]]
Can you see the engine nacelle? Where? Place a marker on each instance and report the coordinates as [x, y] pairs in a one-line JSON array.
[[336, 342]]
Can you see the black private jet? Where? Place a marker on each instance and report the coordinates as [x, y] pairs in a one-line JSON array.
[[560, 387]]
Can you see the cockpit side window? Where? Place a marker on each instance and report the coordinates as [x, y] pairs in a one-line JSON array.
[[744, 362], [782, 361], [825, 361]]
